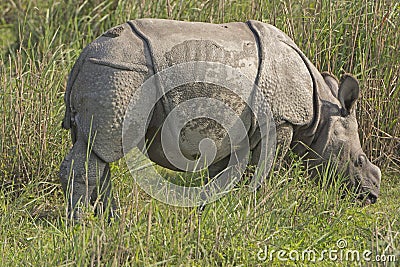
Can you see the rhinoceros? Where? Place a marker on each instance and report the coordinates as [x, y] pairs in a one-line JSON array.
[[313, 112]]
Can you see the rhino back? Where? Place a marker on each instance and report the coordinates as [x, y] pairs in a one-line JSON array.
[[175, 42]]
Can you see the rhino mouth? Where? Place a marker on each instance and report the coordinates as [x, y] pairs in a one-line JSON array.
[[368, 198], [366, 192]]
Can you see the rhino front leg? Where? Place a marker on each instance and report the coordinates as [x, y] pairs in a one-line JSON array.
[[284, 136], [79, 173]]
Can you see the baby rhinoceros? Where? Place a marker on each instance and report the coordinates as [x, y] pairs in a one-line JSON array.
[[313, 112]]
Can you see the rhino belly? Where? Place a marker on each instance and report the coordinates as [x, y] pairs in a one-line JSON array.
[[181, 137]]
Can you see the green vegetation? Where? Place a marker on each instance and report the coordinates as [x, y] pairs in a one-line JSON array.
[[40, 40]]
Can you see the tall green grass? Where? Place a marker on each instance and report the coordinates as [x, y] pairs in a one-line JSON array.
[[40, 40]]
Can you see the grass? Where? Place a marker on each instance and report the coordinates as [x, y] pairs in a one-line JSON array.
[[40, 40]]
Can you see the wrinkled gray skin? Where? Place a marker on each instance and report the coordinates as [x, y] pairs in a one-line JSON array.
[[313, 112]]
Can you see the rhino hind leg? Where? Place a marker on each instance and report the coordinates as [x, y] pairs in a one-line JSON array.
[[101, 197], [84, 176], [216, 168]]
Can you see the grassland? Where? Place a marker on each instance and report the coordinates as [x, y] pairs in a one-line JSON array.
[[40, 40]]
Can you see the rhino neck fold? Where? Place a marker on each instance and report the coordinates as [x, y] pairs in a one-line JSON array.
[[324, 102], [306, 134]]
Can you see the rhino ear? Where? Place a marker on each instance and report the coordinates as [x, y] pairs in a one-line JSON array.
[[332, 82], [349, 92]]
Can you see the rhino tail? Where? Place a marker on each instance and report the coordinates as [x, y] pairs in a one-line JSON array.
[[68, 120]]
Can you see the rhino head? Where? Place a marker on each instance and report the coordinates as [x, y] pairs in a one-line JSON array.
[[336, 136]]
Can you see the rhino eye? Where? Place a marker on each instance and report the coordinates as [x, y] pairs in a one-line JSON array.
[[361, 161]]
